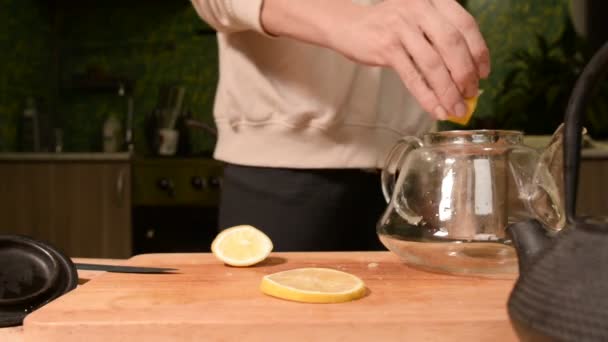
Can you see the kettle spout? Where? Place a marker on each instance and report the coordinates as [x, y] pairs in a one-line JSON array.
[[529, 238]]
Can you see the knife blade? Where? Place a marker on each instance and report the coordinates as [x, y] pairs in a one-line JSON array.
[[122, 269]]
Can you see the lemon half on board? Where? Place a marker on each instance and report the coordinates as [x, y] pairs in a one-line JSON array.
[[313, 285], [471, 105], [241, 246]]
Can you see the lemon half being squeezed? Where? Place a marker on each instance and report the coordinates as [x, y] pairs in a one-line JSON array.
[[471, 104]]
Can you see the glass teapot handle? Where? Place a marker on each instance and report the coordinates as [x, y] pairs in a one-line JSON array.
[[394, 161]]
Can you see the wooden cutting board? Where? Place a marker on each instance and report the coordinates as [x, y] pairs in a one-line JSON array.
[[210, 301]]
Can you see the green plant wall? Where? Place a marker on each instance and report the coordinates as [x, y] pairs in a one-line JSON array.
[[509, 26], [150, 42], [158, 42], [45, 44], [26, 62]]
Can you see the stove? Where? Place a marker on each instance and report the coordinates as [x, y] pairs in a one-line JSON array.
[[175, 204]]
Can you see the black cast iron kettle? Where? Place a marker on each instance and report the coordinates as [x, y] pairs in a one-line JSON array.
[[562, 290]]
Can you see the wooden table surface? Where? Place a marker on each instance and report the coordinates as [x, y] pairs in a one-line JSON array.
[[207, 300]]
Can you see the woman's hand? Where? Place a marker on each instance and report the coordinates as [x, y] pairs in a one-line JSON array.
[[434, 45]]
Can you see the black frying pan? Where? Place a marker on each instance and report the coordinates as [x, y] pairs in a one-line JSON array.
[[32, 274]]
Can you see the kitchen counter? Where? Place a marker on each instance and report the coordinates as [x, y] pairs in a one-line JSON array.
[[599, 152], [206, 300], [67, 156], [593, 149]]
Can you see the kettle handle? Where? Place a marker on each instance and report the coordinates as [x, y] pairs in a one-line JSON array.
[[583, 89], [394, 161]]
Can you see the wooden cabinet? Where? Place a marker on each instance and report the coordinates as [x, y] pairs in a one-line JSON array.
[[82, 207], [85, 206]]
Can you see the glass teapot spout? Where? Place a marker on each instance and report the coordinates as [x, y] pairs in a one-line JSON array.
[[553, 157], [551, 161]]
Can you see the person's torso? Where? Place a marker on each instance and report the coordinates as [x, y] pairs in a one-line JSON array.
[[264, 79], [297, 86]]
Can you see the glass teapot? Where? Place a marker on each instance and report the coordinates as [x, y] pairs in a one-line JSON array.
[[451, 195]]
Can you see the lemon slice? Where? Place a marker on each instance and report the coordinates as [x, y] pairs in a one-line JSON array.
[[313, 285], [241, 246], [471, 105]]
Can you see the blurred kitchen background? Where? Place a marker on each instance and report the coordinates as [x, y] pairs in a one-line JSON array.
[[106, 129]]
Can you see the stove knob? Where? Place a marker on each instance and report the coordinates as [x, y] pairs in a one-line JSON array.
[[150, 233], [198, 183], [167, 186], [215, 182]]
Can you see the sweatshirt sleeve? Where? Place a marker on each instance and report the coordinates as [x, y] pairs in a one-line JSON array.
[[231, 15]]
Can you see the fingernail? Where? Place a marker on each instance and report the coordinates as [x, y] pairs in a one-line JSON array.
[[460, 109], [440, 113], [471, 91]]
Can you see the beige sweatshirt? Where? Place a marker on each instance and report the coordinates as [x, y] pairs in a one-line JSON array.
[[284, 103]]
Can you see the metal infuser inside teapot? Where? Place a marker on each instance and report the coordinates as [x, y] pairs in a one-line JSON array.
[[451, 195]]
